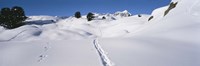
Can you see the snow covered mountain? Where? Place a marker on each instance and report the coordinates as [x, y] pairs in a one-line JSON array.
[[118, 40], [124, 13]]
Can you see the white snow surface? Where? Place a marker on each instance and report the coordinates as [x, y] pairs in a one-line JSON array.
[[171, 40]]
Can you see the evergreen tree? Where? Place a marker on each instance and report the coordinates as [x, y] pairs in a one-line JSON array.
[[0, 19], [103, 17], [18, 16], [90, 16], [139, 15], [77, 14], [12, 18], [5, 17], [18, 12], [5, 11]]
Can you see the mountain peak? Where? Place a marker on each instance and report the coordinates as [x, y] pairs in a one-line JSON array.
[[124, 13]]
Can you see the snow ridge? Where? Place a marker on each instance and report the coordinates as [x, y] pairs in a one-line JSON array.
[[104, 58], [13, 36]]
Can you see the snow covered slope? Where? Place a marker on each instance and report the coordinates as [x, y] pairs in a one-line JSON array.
[[48, 53], [171, 40], [55, 28], [180, 24]]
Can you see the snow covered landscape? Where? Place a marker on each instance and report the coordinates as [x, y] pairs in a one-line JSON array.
[[118, 40]]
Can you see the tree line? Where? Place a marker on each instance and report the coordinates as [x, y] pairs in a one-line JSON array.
[[14, 17], [90, 16]]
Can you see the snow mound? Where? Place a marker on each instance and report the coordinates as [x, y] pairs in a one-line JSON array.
[[23, 33]]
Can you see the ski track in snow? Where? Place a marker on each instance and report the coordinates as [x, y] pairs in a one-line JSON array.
[[104, 58]]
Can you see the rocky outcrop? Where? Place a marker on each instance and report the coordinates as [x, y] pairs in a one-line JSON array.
[[171, 6]]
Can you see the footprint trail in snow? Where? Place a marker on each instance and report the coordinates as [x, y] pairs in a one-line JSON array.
[[44, 54]]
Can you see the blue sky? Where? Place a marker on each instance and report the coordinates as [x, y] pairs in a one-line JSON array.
[[69, 7]]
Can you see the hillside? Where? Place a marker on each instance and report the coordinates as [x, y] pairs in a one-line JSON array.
[[118, 40]]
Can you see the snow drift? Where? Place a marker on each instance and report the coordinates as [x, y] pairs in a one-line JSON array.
[[171, 40]]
